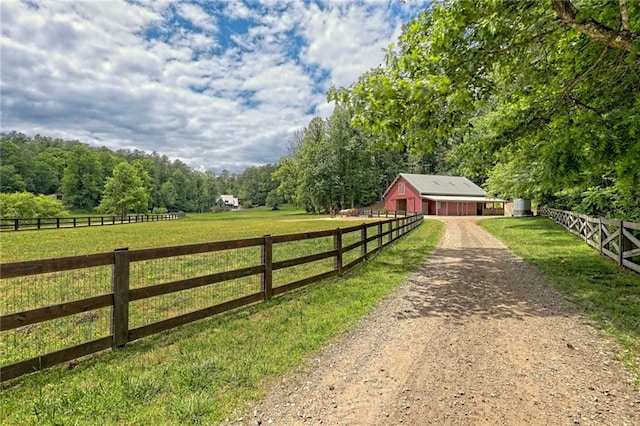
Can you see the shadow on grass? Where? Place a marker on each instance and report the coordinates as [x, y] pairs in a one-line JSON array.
[[542, 226]]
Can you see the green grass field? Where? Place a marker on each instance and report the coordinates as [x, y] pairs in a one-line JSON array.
[[200, 373], [38, 291], [608, 294], [194, 228]]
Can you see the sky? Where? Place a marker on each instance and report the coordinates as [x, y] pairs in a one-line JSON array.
[[216, 84]]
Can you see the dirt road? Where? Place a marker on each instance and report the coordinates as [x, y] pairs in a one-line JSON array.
[[475, 336]]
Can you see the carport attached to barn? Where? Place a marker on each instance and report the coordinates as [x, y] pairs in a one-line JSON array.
[[448, 205]]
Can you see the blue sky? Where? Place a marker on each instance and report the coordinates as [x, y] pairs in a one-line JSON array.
[[217, 84]]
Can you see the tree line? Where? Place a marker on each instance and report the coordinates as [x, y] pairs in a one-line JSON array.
[[331, 164], [98, 179]]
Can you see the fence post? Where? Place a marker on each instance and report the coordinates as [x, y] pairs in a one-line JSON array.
[[625, 244], [379, 234], [363, 238], [57, 222], [337, 245], [390, 223], [38, 223], [600, 234], [74, 222], [267, 261], [120, 288], [89, 221]]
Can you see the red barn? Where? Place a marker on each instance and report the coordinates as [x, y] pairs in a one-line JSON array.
[[440, 196]]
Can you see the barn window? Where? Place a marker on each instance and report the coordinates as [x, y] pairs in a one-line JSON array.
[[401, 188]]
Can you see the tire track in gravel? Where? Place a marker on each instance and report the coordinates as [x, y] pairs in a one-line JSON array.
[[474, 336]]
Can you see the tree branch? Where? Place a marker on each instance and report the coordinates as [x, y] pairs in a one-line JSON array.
[[624, 16], [579, 103], [598, 32], [566, 92]]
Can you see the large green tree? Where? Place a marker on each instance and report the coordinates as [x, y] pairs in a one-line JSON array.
[[333, 165], [82, 181], [548, 91], [125, 192]]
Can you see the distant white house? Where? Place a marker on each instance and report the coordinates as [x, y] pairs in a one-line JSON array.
[[228, 201]]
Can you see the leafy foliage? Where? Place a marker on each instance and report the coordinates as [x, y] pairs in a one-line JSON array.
[[125, 191], [79, 172], [24, 205], [529, 94], [332, 167], [82, 179]]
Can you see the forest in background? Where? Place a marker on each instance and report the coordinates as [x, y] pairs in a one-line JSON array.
[[79, 172], [330, 164]]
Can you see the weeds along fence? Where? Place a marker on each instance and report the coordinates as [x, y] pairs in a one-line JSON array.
[[617, 239], [75, 222], [57, 310]]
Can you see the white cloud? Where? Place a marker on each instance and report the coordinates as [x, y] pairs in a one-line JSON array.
[[347, 38], [128, 75], [197, 16]]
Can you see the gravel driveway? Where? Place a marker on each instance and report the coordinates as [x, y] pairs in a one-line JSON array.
[[474, 336]]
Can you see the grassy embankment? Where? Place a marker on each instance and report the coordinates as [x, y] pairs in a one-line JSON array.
[[609, 295], [201, 373]]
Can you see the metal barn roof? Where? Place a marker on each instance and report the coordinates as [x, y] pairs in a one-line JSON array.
[[441, 185]]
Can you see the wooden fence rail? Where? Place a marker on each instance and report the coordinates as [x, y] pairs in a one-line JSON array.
[[21, 224], [617, 239], [123, 300]]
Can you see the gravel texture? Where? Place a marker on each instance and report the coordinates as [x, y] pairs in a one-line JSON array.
[[474, 336]]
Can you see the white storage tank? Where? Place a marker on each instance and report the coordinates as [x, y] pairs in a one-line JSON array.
[[522, 207]]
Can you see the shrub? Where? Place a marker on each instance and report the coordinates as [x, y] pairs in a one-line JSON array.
[[219, 209], [159, 210], [25, 205]]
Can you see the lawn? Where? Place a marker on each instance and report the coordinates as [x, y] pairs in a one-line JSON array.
[[194, 228], [203, 372], [608, 294]]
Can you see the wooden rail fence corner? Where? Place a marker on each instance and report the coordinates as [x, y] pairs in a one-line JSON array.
[[616, 239]]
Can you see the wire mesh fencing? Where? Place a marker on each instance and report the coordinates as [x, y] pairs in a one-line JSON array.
[[56, 310]]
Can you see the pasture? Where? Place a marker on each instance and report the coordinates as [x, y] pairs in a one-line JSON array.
[[193, 228], [200, 372]]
